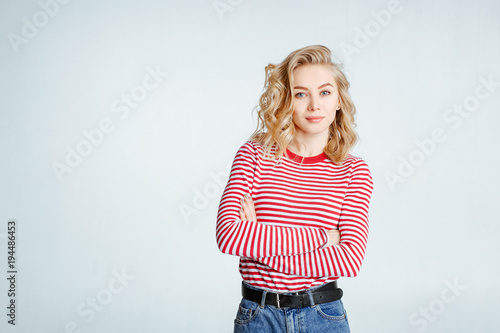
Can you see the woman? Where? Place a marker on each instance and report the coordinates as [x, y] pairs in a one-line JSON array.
[[295, 208]]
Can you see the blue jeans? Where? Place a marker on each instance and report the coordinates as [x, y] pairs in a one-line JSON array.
[[262, 318]]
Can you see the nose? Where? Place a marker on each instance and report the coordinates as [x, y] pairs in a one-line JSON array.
[[312, 103]]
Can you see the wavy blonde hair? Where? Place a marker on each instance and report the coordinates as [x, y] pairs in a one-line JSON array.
[[275, 125]]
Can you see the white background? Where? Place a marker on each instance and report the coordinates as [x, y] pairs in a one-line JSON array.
[[143, 200]]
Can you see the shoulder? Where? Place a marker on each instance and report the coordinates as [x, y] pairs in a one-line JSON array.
[[250, 149], [355, 161], [357, 166], [250, 146]]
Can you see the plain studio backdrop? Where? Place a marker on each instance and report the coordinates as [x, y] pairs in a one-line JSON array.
[[119, 122]]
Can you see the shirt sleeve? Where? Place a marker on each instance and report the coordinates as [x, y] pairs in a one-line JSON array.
[[345, 259], [249, 238]]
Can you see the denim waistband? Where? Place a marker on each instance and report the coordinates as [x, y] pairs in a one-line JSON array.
[[283, 293]]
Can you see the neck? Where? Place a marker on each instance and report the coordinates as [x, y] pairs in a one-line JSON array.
[[310, 145]]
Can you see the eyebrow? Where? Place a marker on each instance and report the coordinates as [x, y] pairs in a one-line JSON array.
[[321, 86]]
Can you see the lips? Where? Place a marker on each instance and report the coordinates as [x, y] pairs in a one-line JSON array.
[[314, 119]]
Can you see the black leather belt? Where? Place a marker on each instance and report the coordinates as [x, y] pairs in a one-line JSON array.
[[324, 294]]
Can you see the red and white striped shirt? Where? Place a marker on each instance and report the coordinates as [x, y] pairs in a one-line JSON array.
[[296, 201]]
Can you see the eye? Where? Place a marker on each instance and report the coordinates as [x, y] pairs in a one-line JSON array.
[[300, 95], [325, 93]]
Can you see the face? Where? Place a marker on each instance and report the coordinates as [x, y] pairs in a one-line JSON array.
[[316, 101]]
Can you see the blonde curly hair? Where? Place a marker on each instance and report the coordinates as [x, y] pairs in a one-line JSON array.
[[276, 106]]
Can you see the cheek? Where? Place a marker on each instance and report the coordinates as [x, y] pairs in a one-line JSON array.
[[332, 116], [296, 119]]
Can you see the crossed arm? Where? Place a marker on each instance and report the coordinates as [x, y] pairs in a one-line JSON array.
[[344, 252]]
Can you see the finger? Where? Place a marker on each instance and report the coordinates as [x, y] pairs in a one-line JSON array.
[[242, 215], [251, 207], [248, 208], [244, 208], [250, 202], [251, 214]]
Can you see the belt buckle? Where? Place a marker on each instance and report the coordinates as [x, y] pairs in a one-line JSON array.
[[278, 300]]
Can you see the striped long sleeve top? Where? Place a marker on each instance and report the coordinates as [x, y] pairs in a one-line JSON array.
[[296, 202]]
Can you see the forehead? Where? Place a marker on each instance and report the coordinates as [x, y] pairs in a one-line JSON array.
[[313, 74]]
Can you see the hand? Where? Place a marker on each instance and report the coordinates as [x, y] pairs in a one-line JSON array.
[[333, 237], [247, 211]]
